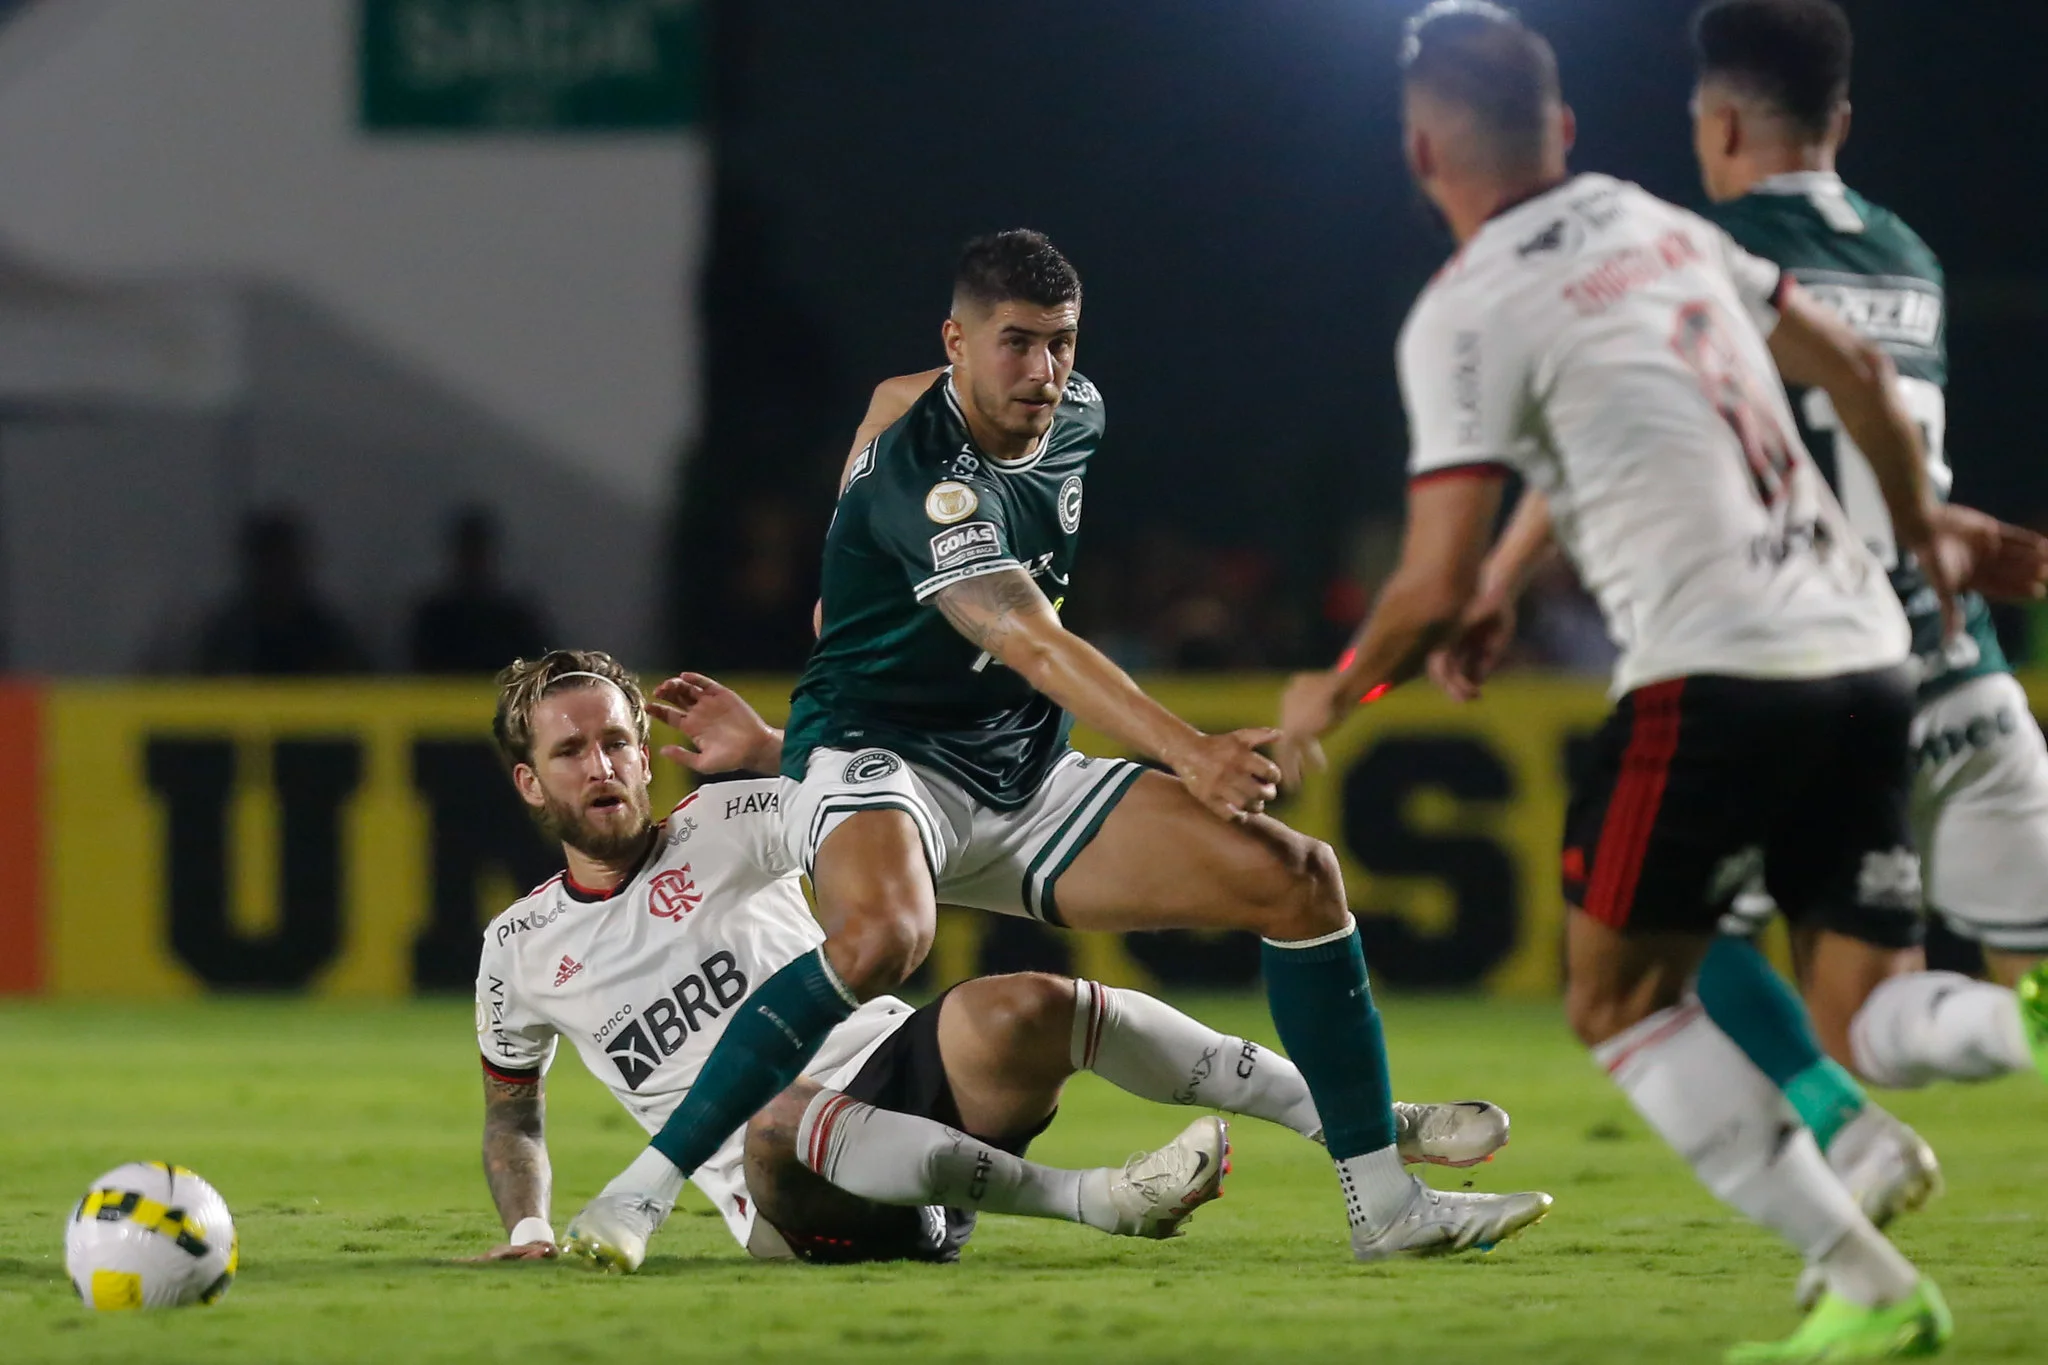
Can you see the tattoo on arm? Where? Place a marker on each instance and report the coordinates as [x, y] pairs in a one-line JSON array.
[[985, 608], [515, 1149]]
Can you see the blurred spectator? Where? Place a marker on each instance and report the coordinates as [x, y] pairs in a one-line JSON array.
[[472, 623], [273, 622], [766, 553]]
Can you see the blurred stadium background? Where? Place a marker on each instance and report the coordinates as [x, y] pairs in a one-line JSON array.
[[348, 347], [389, 338]]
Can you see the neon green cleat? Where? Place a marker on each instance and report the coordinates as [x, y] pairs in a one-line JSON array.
[[1836, 1329], [2033, 994]]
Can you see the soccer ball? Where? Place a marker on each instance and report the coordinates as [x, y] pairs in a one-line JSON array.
[[150, 1235]]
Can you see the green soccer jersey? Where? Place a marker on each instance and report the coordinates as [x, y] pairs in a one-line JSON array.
[[924, 508], [1887, 284]]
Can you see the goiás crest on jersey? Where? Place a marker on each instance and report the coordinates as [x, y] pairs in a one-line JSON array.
[[950, 501], [872, 766], [1070, 504], [964, 545], [673, 894]]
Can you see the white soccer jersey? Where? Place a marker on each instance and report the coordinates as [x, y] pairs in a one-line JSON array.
[[1610, 347], [643, 980]]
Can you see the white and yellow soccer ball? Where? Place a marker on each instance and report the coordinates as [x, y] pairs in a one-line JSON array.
[[151, 1235]]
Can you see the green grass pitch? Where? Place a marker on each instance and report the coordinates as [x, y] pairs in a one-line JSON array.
[[345, 1139]]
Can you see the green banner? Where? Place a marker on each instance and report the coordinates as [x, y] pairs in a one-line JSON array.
[[530, 66]]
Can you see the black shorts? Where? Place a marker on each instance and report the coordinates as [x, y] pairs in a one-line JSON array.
[[1695, 785], [906, 1075]]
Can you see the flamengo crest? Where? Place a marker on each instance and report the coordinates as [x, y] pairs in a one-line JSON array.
[[672, 894]]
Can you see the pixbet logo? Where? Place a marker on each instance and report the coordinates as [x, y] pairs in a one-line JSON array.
[[672, 894], [637, 1049]]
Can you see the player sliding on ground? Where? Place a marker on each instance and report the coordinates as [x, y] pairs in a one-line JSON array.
[[908, 1122], [927, 761], [1611, 349]]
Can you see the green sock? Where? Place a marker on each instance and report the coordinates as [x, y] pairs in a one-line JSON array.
[[1324, 1012], [771, 1035], [1751, 1003]]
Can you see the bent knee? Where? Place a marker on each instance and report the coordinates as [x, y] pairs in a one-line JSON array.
[[878, 946], [771, 1133], [1310, 903], [1024, 1012]]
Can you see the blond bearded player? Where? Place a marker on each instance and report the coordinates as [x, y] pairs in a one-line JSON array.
[[640, 952]]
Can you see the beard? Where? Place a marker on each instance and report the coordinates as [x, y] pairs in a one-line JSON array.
[[602, 834]]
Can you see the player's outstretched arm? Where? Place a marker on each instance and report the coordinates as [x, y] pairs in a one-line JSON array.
[[1815, 347], [1463, 663], [2004, 562], [1005, 614], [1449, 525], [516, 1166], [726, 735]]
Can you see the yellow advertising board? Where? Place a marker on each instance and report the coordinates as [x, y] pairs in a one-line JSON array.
[[350, 838]]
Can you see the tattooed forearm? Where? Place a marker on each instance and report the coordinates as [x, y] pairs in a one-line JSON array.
[[516, 1149], [984, 609]]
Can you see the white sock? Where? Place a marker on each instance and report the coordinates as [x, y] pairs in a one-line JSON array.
[[1377, 1187], [1694, 1086], [652, 1175], [1938, 1026], [896, 1158], [1146, 1046]]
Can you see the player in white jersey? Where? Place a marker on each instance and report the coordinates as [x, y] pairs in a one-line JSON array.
[[1611, 349], [641, 949]]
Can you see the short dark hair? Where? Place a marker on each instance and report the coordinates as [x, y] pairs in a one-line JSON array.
[[1793, 54], [1482, 57], [1018, 264]]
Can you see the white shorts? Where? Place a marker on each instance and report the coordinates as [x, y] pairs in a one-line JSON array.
[[1007, 861], [1980, 813], [1980, 818]]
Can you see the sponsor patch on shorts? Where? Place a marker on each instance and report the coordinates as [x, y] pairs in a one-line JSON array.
[[964, 545]]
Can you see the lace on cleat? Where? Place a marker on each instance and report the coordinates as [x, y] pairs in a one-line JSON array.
[[1838, 1330], [1156, 1192], [1444, 1222], [1460, 1134]]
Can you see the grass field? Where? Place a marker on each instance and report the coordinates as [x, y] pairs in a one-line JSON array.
[[345, 1139]]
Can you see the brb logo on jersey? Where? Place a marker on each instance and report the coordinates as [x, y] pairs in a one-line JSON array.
[[673, 894], [637, 1049]]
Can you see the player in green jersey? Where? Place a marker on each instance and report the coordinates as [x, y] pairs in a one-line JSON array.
[[926, 762], [1770, 114]]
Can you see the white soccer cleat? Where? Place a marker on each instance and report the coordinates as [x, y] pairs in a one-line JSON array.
[[612, 1231], [1889, 1169], [1443, 1222], [1156, 1191], [1463, 1133]]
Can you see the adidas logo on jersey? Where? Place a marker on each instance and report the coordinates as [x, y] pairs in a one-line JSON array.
[[570, 966], [638, 1048]]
